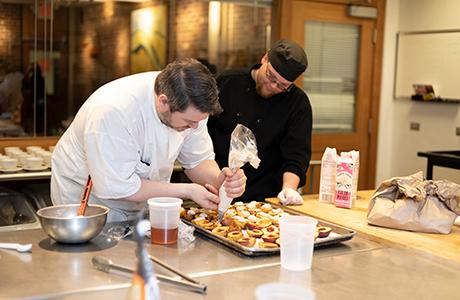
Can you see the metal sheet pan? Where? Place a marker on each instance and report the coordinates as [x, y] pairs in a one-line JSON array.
[[339, 234]]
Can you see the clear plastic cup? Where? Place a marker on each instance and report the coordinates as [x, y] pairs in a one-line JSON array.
[[164, 219], [283, 291], [297, 236]]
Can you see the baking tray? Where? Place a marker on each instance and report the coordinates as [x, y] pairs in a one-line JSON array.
[[339, 234]]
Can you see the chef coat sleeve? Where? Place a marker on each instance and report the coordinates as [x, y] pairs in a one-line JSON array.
[[112, 154], [296, 143], [197, 147]]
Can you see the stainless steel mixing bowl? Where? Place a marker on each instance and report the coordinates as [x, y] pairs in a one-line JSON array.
[[62, 224]]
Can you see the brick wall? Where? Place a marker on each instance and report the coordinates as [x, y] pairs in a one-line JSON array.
[[102, 47], [246, 36], [190, 29], [102, 44], [10, 38]]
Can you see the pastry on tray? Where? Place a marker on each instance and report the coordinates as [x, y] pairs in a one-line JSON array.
[[252, 225]]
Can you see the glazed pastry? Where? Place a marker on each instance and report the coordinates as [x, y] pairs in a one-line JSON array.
[[269, 229], [208, 225], [262, 223], [266, 208], [235, 235], [247, 241], [239, 221], [256, 233], [323, 231], [271, 237], [221, 230], [267, 245], [244, 213], [189, 215]]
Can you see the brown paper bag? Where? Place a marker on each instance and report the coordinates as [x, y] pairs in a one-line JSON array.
[[414, 204]]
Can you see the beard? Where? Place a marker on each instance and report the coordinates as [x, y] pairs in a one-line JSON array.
[[165, 118], [264, 91]]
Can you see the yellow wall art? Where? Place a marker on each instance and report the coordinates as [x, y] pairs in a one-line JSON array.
[[148, 39]]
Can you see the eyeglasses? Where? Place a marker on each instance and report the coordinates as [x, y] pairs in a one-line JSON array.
[[275, 81]]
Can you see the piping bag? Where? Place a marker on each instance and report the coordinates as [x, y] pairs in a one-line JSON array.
[[243, 149]]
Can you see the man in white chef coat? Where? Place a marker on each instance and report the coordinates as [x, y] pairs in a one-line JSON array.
[[128, 134]]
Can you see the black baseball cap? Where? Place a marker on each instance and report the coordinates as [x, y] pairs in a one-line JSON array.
[[288, 59]]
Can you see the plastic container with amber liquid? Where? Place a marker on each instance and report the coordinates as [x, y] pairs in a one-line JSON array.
[[164, 219]]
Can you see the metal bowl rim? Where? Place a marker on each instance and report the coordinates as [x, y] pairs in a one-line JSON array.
[[106, 210]]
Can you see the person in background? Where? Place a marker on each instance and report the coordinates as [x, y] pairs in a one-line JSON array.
[[266, 100], [34, 77], [129, 133], [11, 97]]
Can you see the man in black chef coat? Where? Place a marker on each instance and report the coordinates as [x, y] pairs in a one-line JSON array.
[[266, 100]]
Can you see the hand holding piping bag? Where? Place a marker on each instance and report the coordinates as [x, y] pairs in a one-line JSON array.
[[243, 149]]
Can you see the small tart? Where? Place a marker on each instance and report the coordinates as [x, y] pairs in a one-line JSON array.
[[239, 208], [252, 225], [227, 220], [262, 223], [269, 229], [266, 207], [230, 213], [257, 233], [271, 237], [254, 211], [190, 215], [239, 221], [209, 225], [235, 235], [263, 215], [323, 231], [267, 245], [275, 211], [252, 204], [252, 218], [198, 221], [244, 213], [221, 230], [247, 241]]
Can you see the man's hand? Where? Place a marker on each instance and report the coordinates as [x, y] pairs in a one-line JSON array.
[[205, 196], [234, 183], [290, 196]]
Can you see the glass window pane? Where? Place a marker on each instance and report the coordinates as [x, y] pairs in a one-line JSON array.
[[330, 81]]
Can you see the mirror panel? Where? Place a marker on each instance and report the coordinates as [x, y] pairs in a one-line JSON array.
[[80, 45]]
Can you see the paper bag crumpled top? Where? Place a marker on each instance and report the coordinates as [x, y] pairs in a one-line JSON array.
[[414, 204]]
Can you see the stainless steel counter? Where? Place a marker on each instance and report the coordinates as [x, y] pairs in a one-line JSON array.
[[357, 269]]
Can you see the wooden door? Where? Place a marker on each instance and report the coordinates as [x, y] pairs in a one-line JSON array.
[[296, 17]]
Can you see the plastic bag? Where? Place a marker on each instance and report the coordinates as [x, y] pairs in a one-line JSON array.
[[414, 204], [243, 149]]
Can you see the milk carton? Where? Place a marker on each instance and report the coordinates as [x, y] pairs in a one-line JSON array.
[[327, 182], [354, 155], [344, 183], [347, 179]]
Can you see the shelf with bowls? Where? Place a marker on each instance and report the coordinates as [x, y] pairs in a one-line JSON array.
[[25, 175]]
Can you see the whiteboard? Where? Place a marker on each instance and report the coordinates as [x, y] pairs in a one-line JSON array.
[[429, 57]]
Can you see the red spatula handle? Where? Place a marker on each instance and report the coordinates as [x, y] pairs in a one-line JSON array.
[[84, 199]]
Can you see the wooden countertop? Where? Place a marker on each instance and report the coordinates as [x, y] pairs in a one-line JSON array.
[[442, 245]]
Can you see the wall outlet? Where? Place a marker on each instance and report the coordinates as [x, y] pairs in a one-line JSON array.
[[457, 131], [414, 126]]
